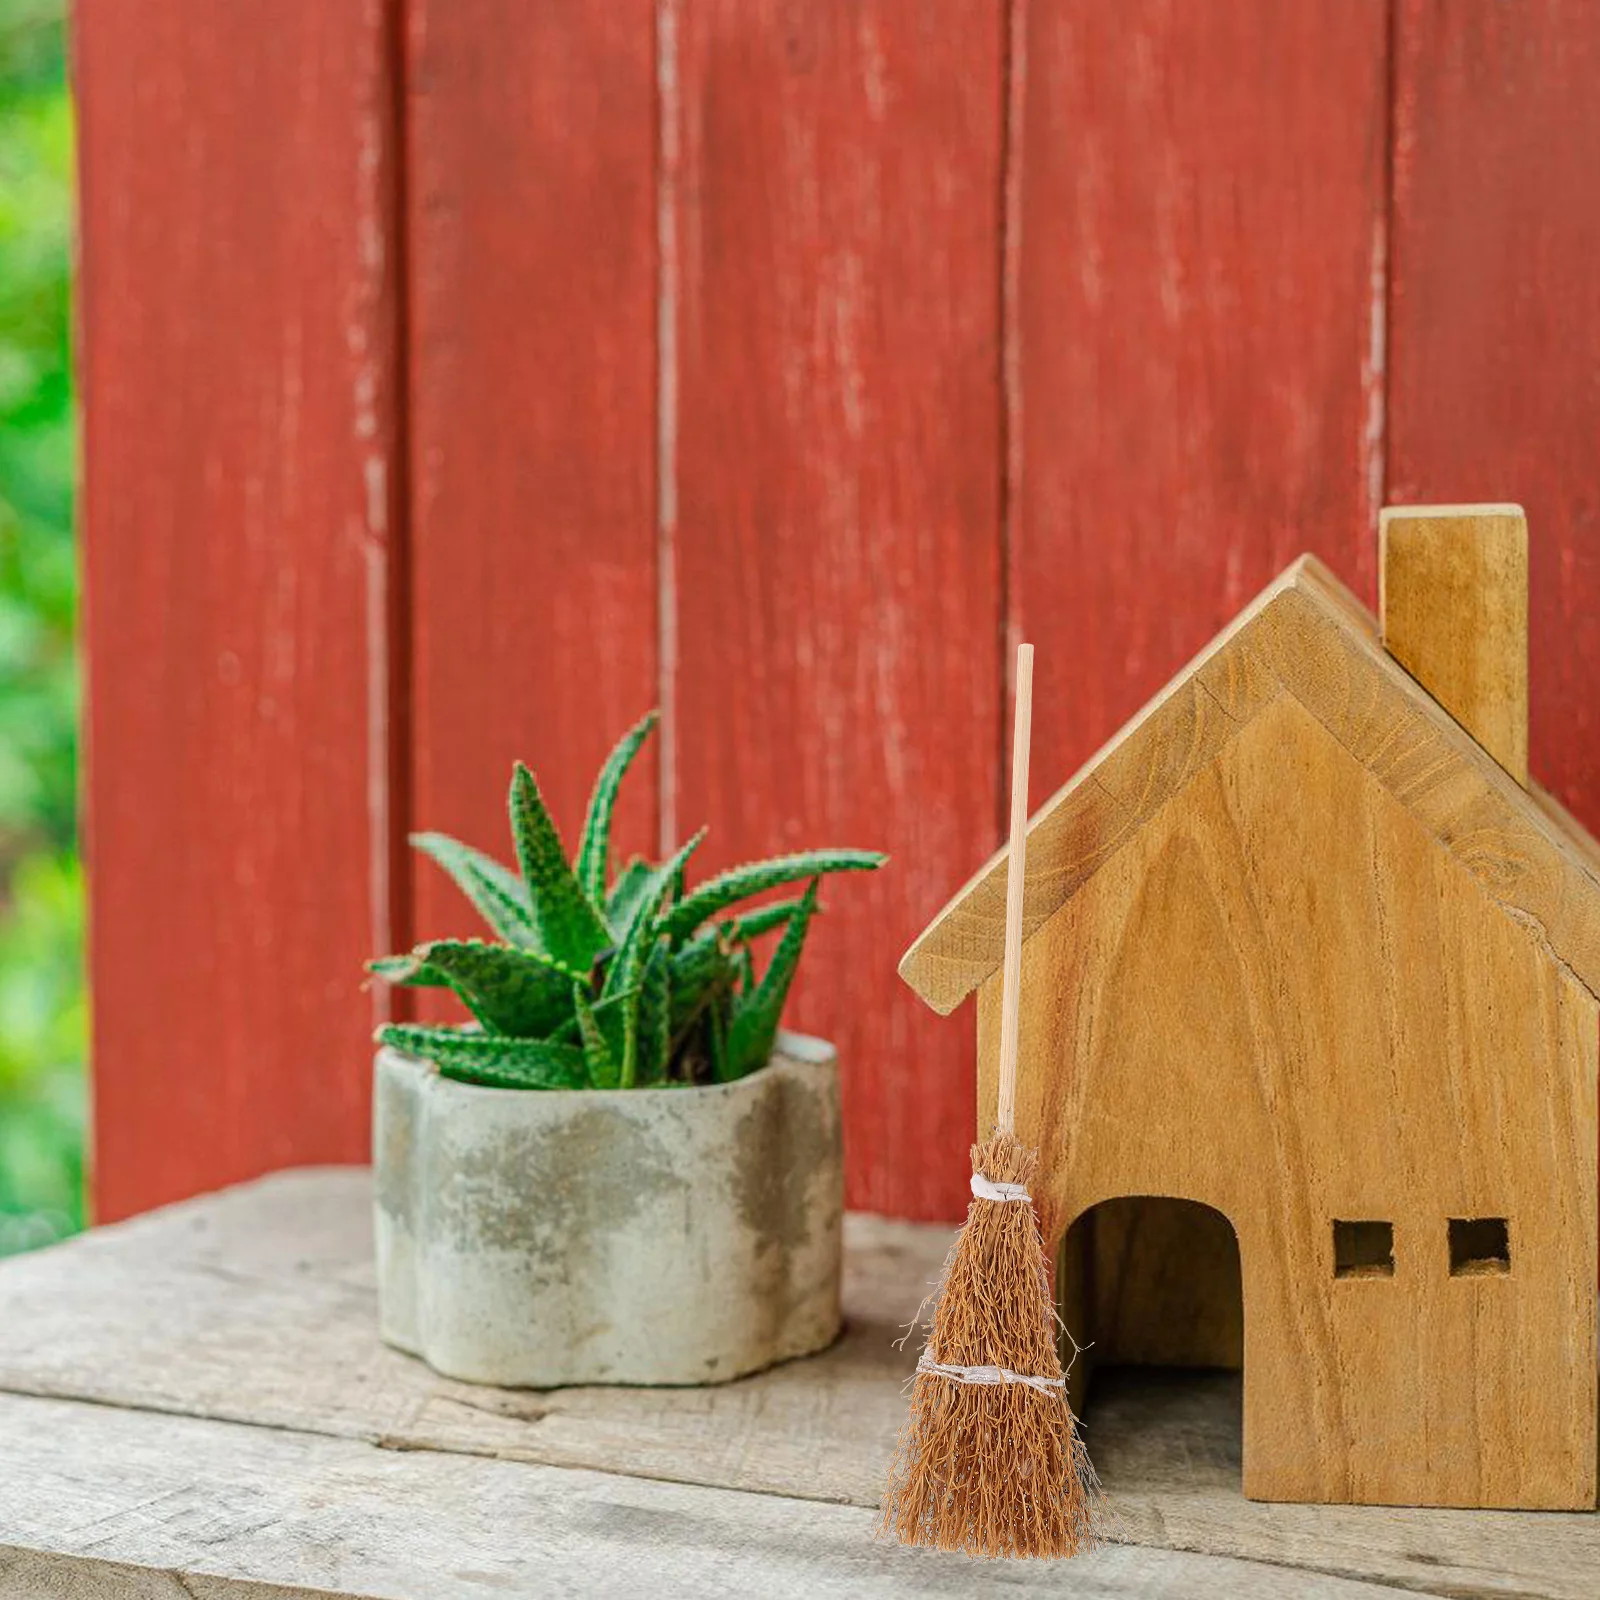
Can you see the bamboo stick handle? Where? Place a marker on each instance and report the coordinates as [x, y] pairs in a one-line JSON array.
[[1016, 876]]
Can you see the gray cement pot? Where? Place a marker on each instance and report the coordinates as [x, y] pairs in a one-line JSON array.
[[650, 1236]]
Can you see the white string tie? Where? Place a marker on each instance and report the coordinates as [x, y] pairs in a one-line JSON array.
[[983, 1189], [946, 1369]]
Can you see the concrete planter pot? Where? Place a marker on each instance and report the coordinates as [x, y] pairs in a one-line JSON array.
[[642, 1236]]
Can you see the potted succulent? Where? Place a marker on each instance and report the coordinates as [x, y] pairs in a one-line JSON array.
[[619, 1170]]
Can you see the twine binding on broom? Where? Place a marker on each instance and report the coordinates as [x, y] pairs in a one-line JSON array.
[[948, 1369], [984, 1189]]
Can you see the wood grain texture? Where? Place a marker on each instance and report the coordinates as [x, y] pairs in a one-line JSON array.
[[257, 1307], [238, 339], [532, 235], [276, 1282], [1282, 1000], [837, 505], [118, 1505], [1306, 637], [1195, 331], [1494, 385], [1453, 607]]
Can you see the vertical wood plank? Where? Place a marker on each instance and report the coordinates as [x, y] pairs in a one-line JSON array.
[[238, 342], [1495, 338], [1197, 316], [532, 228], [836, 475]]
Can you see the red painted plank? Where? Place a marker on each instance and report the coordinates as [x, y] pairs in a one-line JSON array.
[[834, 215], [533, 357], [1495, 335], [238, 348], [1197, 310]]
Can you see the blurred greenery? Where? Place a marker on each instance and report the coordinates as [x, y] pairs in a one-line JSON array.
[[42, 1013]]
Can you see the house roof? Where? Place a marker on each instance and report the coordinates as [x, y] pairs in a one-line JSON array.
[[1308, 637]]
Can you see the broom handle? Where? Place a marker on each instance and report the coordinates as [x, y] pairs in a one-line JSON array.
[[1011, 979]]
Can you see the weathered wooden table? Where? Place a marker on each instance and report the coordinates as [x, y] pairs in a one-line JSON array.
[[196, 1404]]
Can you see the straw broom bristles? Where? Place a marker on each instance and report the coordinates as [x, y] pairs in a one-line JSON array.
[[994, 1469]]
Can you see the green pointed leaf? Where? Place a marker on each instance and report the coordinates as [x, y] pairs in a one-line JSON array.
[[607, 1012], [740, 930], [452, 853], [602, 1058], [411, 972], [639, 936], [727, 888], [512, 991], [631, 882], [495, 891], [754, 1027], [594, 849], [489, 1059], [408, 972], [675, 893], [652, 1038], [701, 970], [569, 927]]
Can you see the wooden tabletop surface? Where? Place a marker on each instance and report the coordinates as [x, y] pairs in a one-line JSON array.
[[196, 1404]]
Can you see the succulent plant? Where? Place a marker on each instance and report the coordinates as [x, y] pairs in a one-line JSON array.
[[607, 982]]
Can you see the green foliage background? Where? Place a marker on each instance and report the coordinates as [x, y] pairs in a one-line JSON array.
[[42, 1014]]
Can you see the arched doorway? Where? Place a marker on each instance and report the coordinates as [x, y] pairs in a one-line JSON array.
[[1150, 1288]]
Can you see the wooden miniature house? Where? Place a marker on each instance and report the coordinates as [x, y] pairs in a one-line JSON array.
[[1312, 966]]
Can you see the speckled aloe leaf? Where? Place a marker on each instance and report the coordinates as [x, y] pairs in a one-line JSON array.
[[708, 958], [570, 928], [631, 882], [754, 1025], [602, 1034], [594, 849], [408, 971], [738, 883], [649, 1040], [700, 971], [489, 1059], [740, 930], [744, 969], [495, 891], [608, 1012], [639, 935], [510, 990], [412, 973]]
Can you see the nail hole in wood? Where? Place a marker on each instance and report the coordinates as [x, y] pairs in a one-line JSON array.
[[1363, 1249], [1479, 1246]]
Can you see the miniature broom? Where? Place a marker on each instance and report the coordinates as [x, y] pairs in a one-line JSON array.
[[990, 1461]]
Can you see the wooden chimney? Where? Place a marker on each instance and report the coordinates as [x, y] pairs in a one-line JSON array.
[[1453, 599]]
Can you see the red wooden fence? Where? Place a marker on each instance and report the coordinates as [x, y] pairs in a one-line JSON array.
[[462, 378]]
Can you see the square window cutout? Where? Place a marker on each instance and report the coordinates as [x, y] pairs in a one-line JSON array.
[[1363, 1249], [1479, 1246]]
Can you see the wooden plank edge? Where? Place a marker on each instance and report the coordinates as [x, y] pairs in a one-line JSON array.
[[98, 1494]]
